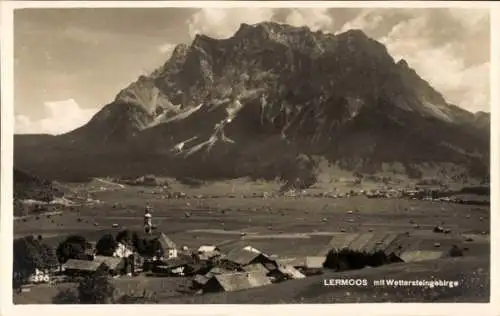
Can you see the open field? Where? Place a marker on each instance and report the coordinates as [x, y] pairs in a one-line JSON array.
[[472, 274], [287, 227]]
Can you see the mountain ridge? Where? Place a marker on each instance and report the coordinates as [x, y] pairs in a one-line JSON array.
[[342, 97]]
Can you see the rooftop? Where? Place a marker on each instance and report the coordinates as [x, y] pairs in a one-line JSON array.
[[111, 262], [82, 265], [242, 256], [166, 243], [241, 281]]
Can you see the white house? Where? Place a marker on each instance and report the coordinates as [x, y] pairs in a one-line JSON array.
[[122, 251], [206, 248]]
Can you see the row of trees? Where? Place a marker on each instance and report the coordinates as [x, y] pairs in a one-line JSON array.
[[146, 247], [74, 247]]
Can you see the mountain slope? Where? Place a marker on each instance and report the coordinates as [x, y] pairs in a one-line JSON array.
[[251, 104], [30, 187]]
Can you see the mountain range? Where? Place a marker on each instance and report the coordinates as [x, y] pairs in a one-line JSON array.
[[269, 102]]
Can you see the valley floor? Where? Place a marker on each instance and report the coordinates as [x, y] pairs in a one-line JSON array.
[[286, 227]]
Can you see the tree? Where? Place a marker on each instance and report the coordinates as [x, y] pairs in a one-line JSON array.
[[127, 237], [72, 248], [30, 254], [106, 245], [25, 260], [49, 257], [96, 288]]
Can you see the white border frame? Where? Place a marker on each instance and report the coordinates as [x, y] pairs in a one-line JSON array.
[[6, 230]]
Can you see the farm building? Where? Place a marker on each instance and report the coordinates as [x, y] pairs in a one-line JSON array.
[[207, 252], [74, 267], [370, 243], [311, 265], [285, 272], [173, 266], [206, 248], [256, 268], [252, 249], [199, 281], [116, 265], [303, 265], [217, 270], [238, 258], [235, 282], [168, 247]]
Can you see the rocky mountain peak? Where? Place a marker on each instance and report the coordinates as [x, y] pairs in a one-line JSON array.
[[338, 96]]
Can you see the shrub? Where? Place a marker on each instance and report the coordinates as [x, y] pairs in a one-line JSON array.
[[72, 248], [106, 246], [127, 237], [352, 260], [96, 288]]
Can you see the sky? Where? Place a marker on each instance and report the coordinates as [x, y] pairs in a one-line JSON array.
[[69, 63]]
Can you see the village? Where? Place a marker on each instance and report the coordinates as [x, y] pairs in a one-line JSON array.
[[225, 268], [211, 269], [428, 191], [244, 261]]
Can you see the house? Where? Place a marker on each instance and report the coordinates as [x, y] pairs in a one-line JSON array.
[[235, 282], [239, 257], [285, 272], [74, 267], [122, 251], [256, 268], [88, 253], [250, 248], [217, 270], [206, 256], [116, 265], [314, 262], [174, 266], [207, 252], [168, 247], [199, 281], [308, 265], [206, 248], [294, 262]]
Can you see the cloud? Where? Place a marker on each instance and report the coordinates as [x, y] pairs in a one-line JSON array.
[[223, 23], [367, 21], [443, 63], [315, 19], [63, 116], [167, 48], [471, 19]]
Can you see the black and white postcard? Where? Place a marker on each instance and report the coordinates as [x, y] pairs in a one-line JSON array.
[[235, 153]]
